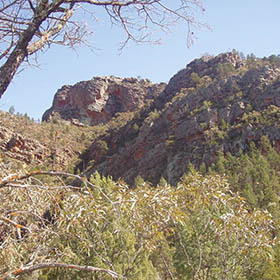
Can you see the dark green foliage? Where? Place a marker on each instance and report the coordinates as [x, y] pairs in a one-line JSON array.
[[273, 59], [135, 128], [102, 145], [254, 174]]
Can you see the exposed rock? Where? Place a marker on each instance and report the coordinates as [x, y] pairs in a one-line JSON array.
[[24, 149], [192, 119], [14, 145], [203, 67], [77, 123], [98, 100]]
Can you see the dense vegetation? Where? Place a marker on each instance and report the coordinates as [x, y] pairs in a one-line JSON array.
[[199, 229], [220, 221]]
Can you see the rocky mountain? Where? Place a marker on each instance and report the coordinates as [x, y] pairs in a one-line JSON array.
[[98, 100], [215, 104]]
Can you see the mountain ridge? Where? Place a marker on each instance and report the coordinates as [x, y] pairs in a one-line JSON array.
[[198, 114]]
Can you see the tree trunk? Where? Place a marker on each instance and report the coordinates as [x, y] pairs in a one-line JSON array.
[[17, 56]]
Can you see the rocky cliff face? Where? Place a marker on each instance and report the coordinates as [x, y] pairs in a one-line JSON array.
[[216, 104], [98, 100]]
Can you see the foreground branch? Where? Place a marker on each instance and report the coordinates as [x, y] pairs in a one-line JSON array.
[[8, 181], [32, 268], [9, 221], [39, 44], [15, 178]]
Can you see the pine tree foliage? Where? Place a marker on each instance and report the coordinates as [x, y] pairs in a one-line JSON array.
[[254, 174]]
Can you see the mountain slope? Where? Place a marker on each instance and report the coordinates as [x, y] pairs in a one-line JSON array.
[[215, 104], [53, 145]]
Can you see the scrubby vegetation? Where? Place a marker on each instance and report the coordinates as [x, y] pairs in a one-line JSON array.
[[198, 229], [220, 220]]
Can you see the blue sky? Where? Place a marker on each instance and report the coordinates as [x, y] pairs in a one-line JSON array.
[[250, 26]]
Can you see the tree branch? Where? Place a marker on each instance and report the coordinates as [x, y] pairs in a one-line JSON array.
[[9, 221], [53, 31], [31, 25], [15, 178], [32, 268]]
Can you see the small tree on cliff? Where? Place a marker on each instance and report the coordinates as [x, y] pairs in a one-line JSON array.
[[27, 26]]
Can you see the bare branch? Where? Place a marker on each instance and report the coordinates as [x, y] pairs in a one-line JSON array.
[[48, 34], [31, 6], [27, 26], [14, 178], [9, 221], [40, 266]]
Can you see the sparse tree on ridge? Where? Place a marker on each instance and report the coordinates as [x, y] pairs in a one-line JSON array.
[[27, 26]]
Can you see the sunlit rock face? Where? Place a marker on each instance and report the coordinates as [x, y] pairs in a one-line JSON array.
[[98, 100]]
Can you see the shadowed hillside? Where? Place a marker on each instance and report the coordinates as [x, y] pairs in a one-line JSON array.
[[216, 104]]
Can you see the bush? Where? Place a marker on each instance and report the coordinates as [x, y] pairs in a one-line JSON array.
[[141, 233]]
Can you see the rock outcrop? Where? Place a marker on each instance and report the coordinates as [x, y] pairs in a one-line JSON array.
[[98, 100], [38, 145], [218, 104], [16, 146]]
